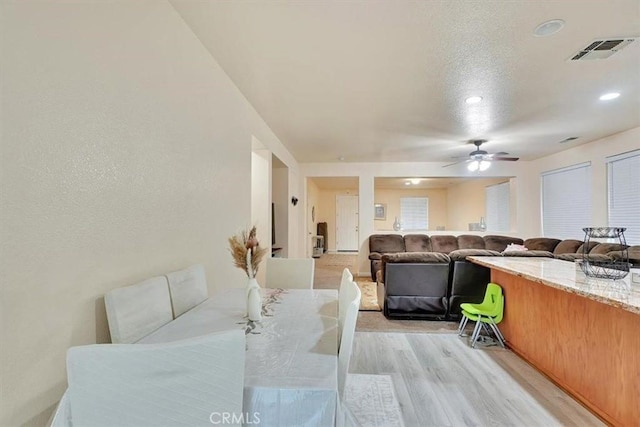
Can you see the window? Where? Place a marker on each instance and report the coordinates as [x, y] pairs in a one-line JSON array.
[[624, 197], [566, 202], [497, 207], [414, 213]]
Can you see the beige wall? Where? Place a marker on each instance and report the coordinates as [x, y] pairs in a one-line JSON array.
[[437, 206], [466, 202], [126, 153]]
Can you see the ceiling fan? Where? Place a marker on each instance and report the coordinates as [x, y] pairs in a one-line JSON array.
[[480, 159]]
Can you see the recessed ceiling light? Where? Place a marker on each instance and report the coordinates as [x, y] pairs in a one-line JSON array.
[[407, 183], [473, 99], [548, 27], [609, 96], [415, 181], [341, 158]]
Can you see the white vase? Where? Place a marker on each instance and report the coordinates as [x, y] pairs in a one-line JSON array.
[[254, 300], [396, 225]]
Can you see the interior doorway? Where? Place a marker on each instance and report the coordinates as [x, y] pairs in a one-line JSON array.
[[321, 193], [347, 223]]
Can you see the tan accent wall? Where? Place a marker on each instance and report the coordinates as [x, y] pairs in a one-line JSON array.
[[437, 206], [466, 202]]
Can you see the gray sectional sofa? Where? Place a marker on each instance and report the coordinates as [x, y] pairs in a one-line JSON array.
[[427, 277]]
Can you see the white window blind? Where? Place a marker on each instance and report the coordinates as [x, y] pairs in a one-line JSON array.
[[566, 202], [497, 207], [414, 213], [624, 196]]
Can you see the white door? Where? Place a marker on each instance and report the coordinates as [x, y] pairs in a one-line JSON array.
[[346, 223]]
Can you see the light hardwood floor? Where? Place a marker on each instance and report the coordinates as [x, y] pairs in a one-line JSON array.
[[441, 381]]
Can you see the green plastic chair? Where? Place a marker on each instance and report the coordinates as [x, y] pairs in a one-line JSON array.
[[489, 312]]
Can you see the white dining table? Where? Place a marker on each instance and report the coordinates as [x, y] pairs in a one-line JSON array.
[[291, 360]]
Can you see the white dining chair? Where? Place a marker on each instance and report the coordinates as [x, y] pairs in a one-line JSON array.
[[344, 298], [290, 273], [137, 310], [188, 288], [348, 332], [193, 382]]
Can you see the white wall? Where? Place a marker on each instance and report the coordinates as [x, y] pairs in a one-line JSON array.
[[312, 198], [126, 153], [596, 153], [280, 198], [261, 202]]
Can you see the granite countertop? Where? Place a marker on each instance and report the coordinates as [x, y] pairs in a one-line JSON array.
[[567, 276]]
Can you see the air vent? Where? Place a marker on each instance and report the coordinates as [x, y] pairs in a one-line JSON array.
[[601, 49]]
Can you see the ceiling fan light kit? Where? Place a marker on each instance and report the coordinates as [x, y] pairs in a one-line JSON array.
[[479, 165], [480, 160]]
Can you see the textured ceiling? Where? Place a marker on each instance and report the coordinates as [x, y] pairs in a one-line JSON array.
[[386, 80]]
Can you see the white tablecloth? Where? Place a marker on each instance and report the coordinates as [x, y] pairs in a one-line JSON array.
[[291, 361]]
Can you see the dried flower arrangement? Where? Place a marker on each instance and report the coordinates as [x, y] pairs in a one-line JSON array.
[[246, 251]]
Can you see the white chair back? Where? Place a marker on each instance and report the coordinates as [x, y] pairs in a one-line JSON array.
[[188, 288], [137, 310], [344, 298], [348, 333], [181, 383], [290, 273]]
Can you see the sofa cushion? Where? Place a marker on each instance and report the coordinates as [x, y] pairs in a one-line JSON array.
[[543, 254], [412, 258], [633, 252], [462, 254], [468, 241], [375, 255], [499, 243], [416, 257], [444, 244], [417, 243], [541, 244], [591, 245], [568, 246], [386, 243], [605, 248], [578, 255]]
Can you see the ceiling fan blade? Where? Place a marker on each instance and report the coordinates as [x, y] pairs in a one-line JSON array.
[[499, 153], [455, 163], [507, 159]]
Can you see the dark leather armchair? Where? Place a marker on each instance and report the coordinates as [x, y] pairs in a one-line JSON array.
[[468, 280], [414, 285]]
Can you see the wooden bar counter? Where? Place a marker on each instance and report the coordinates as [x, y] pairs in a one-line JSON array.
[[583, 333]]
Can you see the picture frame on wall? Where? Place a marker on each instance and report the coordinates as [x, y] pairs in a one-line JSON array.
[[380, 211]]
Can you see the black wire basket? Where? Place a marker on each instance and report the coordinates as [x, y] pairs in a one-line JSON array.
[[613, 269]]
